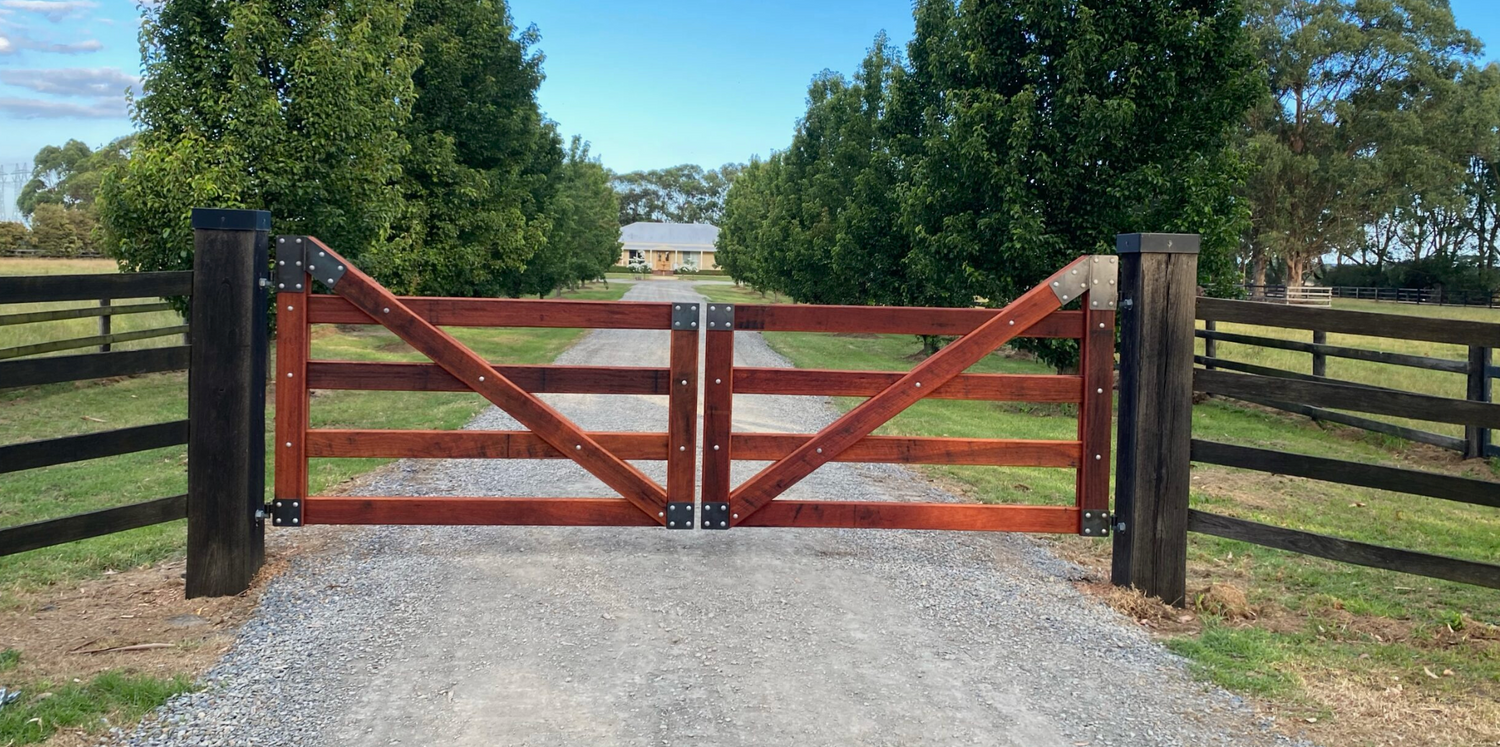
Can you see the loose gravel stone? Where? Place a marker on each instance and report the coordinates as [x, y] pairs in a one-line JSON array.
[[565, 636]]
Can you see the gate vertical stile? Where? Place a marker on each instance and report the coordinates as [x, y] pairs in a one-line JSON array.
[[682, 413], [1095, 416], [293, 343], [718, 409]]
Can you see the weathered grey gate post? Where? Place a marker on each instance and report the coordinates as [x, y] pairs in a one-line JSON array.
[[1158, 298], [227, 400]]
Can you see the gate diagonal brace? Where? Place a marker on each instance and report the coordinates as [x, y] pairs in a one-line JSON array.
[[1099, 278], [679, 516]]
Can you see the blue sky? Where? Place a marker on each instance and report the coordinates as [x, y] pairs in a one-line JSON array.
[[650, 84]]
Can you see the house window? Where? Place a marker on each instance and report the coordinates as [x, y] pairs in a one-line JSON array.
[[637, 256]]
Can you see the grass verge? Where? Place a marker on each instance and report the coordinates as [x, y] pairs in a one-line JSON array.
[[88, 707], [1348, 655]]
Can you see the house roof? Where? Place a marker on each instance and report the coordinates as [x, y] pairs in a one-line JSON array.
[[700, 235]]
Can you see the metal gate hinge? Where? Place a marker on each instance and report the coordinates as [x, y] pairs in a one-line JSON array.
[[285, 512], [1096, 523], [679, 516], [715, 516]]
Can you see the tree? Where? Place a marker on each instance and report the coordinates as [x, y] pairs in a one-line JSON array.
[[1345, 150], [13, 237], [584, 240], [482, 167], [680, 194], [294, 107], [54, 233]]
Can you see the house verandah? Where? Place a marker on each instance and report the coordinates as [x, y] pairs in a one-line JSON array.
[[669, 247]]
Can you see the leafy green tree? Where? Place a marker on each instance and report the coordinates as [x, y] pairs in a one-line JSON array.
[[69, 175], [13, 237], [54, 232], [293, 106], [1351, 140], [1047, 128], [585, 239], [680, 194], [482, 168]]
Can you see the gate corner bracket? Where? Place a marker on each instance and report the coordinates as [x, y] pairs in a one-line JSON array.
[[679, 516], [720, 317], [285, 512], [291, 253], [715, 516], [1104, 282], [684, 316], [1095, 523], [323, 268]]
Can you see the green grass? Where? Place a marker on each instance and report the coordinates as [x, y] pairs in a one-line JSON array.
[[83, 407], [1318, 617], [67, 329], [108, 699], [1404, 378]]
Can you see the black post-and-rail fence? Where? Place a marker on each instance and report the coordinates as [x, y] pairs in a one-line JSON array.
[[226, 363], [1158, 306]]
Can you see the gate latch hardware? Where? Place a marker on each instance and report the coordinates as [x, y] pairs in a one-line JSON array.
[[715, 515], [684, 316], [679, 516], [720, 317], [1096, 523], [285, 512]]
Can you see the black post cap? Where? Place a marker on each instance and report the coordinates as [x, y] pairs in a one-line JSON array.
[[218, 219], [1156, 243]]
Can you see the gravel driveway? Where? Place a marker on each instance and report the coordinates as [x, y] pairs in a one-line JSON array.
[[569, 636]]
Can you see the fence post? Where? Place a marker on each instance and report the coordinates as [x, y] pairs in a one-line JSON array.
[[104, 324], [1320, 361], [227, 400], [1476, 439], [1158, 302]]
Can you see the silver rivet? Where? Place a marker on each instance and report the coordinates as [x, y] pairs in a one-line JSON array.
[[1098, 457], [1075, 272], [386, 310], [1065, 296], [281, 285], [281, 262], [1054, 284], [1088, 531], [682, 448], [1096, 260], [296, 520], [341, 268], [661, 513], [695, 324], [677, 308], [299, 286], [919, 385], [684, 382], [289, 376], [676, 324], [281, 241], [722, 524], [713, 308], [322, 254], [289, 308], [289, 444], [481, 378], [298, 263], [1101, 325], [718, 381], [1101, 391], [716, 447], [820, 451], [578, 447], [1012, 322], [299, 241], [736, 516], [713, 324], [671, 523]]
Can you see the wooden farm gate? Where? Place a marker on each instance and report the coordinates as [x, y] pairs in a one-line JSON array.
[[1090, 282]]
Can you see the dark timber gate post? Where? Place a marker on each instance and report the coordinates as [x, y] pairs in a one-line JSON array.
[[1158, 299], [227, 400]]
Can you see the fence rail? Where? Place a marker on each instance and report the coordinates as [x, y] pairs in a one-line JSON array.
[[1421, 296], [1304, 295]]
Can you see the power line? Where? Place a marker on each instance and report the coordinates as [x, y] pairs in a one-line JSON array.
[[12, 180]]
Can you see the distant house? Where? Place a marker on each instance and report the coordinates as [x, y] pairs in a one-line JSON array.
[[665, 247]]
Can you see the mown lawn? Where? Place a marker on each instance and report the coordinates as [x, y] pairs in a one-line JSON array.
[[1369, 656]]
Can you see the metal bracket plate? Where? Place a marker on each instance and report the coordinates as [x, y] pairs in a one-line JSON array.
[[1095, 524], [684, 316], [720, 317], [1104, 282], [290, 275], [1098, 276], [285, 512], [715, 516], [323, 268], [679, 516]]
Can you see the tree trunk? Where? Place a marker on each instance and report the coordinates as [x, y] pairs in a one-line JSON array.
[[1296, 268]]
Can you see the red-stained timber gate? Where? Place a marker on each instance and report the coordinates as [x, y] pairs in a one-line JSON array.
[[1090, 282]]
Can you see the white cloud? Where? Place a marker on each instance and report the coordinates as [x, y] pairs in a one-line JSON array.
[[5, 46], [55, 11], [72, 81], [9, 44], [39, 109]]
